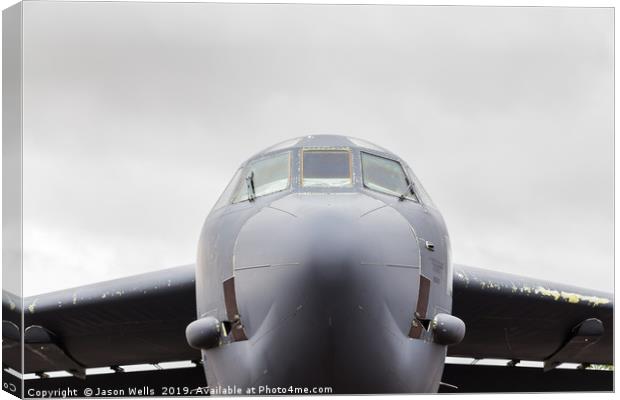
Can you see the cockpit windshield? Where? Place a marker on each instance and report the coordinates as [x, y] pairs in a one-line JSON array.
[[323, 169], [326, 168], [387, 176], [267, 175]]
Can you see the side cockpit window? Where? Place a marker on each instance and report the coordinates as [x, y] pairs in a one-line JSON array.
[[385, 175], [226, 196], [265, 176], [326, 168], [419, 189]]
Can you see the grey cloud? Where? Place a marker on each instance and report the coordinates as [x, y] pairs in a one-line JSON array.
[[137, 114]]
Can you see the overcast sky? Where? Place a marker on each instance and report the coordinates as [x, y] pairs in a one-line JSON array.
[[136, 115]]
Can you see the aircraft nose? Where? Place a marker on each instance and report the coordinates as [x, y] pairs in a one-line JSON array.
[[330, 282], [331, 251], [327, 253]]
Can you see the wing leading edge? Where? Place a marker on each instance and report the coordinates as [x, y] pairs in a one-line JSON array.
[[518, 318]]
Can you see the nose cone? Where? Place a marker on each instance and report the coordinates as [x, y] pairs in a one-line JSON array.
[[331, 244], [326, 286]]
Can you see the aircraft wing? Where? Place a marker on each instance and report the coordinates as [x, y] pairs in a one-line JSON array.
[[517, 318], [136, 320], [142, 319]]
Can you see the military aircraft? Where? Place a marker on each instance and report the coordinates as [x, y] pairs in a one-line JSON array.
[[323, 263]]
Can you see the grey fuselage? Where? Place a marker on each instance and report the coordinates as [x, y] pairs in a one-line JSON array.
[[325, 283]]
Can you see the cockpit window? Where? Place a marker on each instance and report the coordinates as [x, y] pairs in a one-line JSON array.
[[264, 176], [326, 168], [225, 197], [419, 189], [387, 176]]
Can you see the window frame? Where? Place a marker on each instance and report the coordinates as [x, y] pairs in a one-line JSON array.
[[415, 197], [347, 150], [246, 169]]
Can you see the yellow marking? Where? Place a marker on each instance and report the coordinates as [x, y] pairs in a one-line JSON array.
[[572, 298], [547, 292], [494, 285], [32, 306]]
